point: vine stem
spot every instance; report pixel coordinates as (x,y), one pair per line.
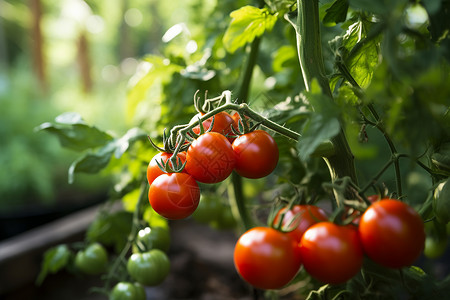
(309,47)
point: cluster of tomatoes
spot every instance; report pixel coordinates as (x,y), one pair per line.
(390,233)
(210,158)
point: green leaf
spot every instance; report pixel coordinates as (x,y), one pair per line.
(247,23)
(323,124)
(74,134)
(337,13)
(55,259)
(111,229)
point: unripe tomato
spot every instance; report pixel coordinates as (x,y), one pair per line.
(174,195)
(127,291)
(149,268)
(267,258)
(299,218)
(256,154)
(153,170)
(92,260)
(392,233)
(210,158)
(331,253)
(152,238)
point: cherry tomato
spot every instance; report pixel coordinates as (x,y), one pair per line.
(356,214)
(256,154)
(174,195)
(331,253)
(210,158)
(153,170)
(127,291)
(92,260)
(267,258)
(222,123)
(152,238)
(299,218)
(149,268)
(392,233)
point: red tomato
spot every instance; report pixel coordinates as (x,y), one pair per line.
(174,195)
(299,218)
(392,233)
(356,214)
(267,258)
(222,123)
(256,154)
(154,171)
(210,158)
(331,253)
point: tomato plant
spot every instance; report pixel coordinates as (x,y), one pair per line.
(266,258)
(392,233)
(92,260)
(299,218)
(174,195)
(256,154)
(149,268)
(331,253)
(153,170)
(210,158)
(152,238)
(127,291)
(222,124)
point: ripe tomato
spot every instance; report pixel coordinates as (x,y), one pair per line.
(222,123)
(174,195)
(153,170)
(127,291)
(267,258)
(299,218)
(356,214)
(92,260)
(256,154)
(392,233)
(152,238)
(210,158)
(331,253)
(149,268)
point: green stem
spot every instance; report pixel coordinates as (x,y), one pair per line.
(309,46)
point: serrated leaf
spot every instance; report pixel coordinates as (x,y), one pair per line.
(55,259)
(91,162)
(247,23)
(74,134)
(337,13)
(111,229)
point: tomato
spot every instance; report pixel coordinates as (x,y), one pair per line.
(392,233)
(331,253)
(127,291)
(222,123)
(92,260)
(356,214)
(152,238)
(149,268)
(153,170)
(299,218)
(174,195)
(210,158)
(267,258)
(256,154)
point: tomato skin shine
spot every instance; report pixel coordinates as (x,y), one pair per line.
(256,154)
(174,195)
(267,258)
(331,253)
(210,158)
(392,233)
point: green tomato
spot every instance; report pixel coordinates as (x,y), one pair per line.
(127,291)
(152,238)
(209,209)
(149,268)
(92,260)
(434,247)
